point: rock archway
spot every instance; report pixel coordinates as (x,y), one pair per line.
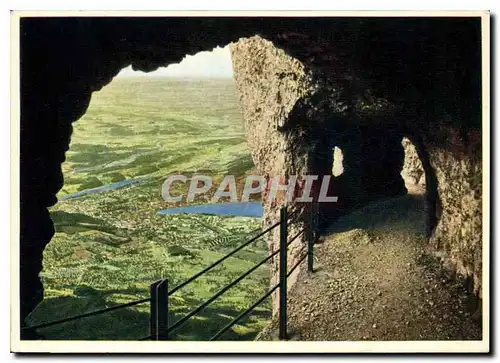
(306,85)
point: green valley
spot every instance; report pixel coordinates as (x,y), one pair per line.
(110,246)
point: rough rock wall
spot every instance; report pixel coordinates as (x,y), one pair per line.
(452,176)
(294,117)
(458,235)
(270,83)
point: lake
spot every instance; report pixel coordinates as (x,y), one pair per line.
(239,209)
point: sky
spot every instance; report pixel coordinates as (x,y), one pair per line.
(213,64)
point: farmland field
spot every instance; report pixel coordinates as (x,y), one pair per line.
(110,246)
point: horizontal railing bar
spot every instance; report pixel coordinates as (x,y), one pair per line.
(295,237)
(227,287)
(235,320)
(86,315)
(223,290)
(222,259)
(243,314)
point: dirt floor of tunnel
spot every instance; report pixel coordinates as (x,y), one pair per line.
(374,280)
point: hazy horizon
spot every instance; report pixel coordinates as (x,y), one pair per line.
(206,64)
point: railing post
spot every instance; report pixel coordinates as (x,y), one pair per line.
(283,273)
(310,239)
(159,310)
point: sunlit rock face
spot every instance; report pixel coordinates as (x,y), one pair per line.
(413,170)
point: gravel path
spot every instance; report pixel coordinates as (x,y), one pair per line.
(373,280)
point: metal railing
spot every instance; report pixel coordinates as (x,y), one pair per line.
(160,293)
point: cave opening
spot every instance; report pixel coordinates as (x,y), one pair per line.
(282,89)
(111,238)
